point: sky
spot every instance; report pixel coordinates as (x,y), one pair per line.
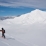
(18,7)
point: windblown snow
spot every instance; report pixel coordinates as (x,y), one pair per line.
(26,30)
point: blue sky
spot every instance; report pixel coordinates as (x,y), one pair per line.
(6,11)
(18,7)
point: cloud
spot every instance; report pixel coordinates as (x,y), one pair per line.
(24,3)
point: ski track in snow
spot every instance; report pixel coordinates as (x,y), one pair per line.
(5,43)
(10,41)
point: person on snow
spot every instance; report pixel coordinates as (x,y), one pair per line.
(3,32)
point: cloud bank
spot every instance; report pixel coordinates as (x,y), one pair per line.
(24,3)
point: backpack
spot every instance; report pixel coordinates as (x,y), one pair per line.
(4,31)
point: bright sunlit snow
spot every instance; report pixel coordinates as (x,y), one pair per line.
(26,30)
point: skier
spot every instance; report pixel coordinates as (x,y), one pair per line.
(3,32)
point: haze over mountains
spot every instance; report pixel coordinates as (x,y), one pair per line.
(6,17)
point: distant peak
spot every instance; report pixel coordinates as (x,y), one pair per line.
(37,10)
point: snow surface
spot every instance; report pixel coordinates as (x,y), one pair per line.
(26,30)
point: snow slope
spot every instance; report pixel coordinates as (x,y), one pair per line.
(9,41)
(26,30)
